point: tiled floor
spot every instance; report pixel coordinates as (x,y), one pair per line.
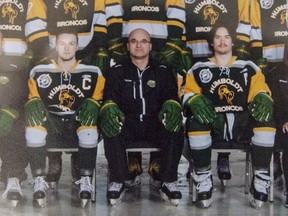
(143,201)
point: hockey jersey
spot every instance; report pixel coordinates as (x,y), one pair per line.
(162,19)
(63,92)
(12,24)
(271,31)
(230,87)
(202,15)
(88,17)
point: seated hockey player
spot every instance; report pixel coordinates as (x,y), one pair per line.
(227,98)
(140,103)
(14,71)
(64,100)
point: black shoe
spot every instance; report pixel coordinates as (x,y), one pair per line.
(223,168)
(286,203)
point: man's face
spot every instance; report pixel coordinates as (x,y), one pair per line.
(66,46)
(139,44)
(222,41)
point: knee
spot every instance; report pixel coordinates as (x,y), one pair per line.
(35,136)
(88,136)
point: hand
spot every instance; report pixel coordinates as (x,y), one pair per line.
(172,52)
(285,127)
(242,52)
(7,117)
(111,119)
(171,115)
(261,107)
(101,59)
(88,112)
(35,112)
(202,108)
(263,65)
(117,50)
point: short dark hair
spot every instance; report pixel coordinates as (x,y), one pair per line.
(67,31)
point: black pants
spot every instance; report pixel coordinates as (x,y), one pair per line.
(171,145)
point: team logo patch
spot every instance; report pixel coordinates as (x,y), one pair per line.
(69,5)
(151,83)
(10,12)
(266,4)
(225,93)
(44,81)
(189,1)
(211,13)
(205,75)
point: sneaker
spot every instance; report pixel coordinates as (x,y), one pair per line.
(223,168)
(40,188)
(13,190)
(204,187)
(171,190)
(85,187)
(115,190)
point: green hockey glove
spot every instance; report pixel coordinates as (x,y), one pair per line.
(242,52)
(202,108)
(88,112)
(261,107)
(117,50)
(7,117)
(171,115)
(263,65)
(172,52)
(101,59)
(111,119)
(35,112)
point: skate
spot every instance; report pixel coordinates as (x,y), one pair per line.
(204,188)
(115,192)
(154,183)
(13,192)
(259,189)
(170,193)
(54,169)
(85,189)
(223,170)
(40,188)
(135,171)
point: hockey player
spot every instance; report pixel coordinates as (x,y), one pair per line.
(64,99)
(201,16)
(14,63)
(164,21)
(96,21)
(225,95)
(141,104)
(268,41)
(277,80)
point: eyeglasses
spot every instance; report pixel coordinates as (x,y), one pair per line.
(142,42)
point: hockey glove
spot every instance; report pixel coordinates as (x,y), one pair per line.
(171,116)
(242,52)
(88,112)
(172,52)
(7,117)
(261,107)
(117,50)
(101,59)
(35,112)
(263,65)
(202,108)
(111,119)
